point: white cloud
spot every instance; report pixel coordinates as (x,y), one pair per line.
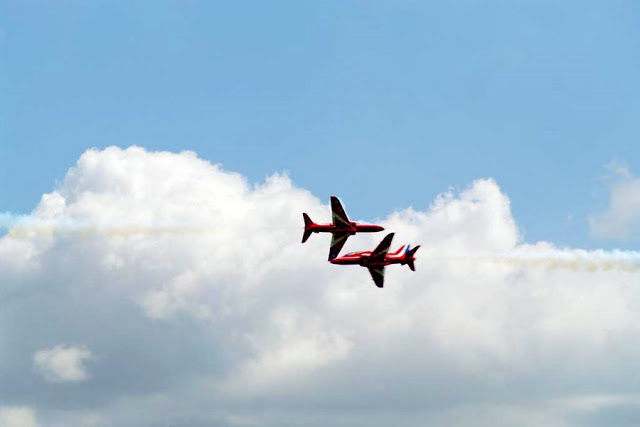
(62,364)
(192,286)
(17,416)
(621,220)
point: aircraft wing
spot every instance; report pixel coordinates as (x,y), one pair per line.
(377,274)
(380,252)
(337,242)
(340,217)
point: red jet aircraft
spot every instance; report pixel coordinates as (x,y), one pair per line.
(341,228)
(376,261)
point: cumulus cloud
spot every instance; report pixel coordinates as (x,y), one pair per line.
(62,364)
(17,416)
(621,220)
(192,286)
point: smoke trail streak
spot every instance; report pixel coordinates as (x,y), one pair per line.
(571,259)
(545,256)
(24,226)
(107,231)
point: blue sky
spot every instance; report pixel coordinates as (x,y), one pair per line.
(386,104)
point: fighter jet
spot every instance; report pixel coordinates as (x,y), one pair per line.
(376,261)
(341,228)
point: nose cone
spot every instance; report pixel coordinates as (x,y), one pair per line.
(378,228)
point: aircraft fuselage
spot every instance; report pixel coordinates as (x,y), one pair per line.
(362,258)
(354,228)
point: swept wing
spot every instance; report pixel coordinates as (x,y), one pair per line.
(377,274)
(337,242)
(340,218)
(380,252)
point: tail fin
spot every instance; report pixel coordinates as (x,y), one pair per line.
(408,256)
(307,225)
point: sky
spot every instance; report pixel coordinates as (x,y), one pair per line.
(397,102)
(156,158)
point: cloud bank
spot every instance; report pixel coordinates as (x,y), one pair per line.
(201,307)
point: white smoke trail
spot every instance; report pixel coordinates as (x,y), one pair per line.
(572,259)
(25,226)
(546,256)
